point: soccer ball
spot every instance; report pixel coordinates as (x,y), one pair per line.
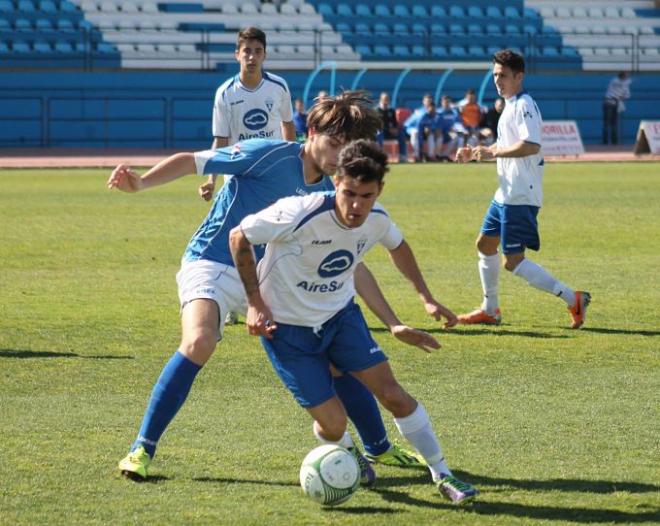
(329,475)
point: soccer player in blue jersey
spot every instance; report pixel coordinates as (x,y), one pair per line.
(261,172)
(300,301)
(511,219)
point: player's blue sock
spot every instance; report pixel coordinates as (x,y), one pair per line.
(167,397)
(363,411)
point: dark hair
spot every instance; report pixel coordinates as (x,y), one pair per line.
(348,116)
(362,160)
(251,33)
(510,59)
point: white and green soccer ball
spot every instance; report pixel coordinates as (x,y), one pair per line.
(329,475)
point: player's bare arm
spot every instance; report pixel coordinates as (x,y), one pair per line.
(259,318)
(127,180)
(405,262)
(206,189)
(288,131)
(368,289)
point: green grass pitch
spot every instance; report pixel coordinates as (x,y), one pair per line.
(554,426)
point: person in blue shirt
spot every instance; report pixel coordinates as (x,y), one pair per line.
(447,138)
(300,120)
(259,172)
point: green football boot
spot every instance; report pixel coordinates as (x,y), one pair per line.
(135,465)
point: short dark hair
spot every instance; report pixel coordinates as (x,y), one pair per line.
(510,59)
(362,160)
(348,116)
(251,33)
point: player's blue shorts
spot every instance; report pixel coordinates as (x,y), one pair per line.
(301,356)
(515,224)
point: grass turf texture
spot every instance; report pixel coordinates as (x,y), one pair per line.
(554,426)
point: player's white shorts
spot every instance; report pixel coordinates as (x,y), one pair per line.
(205,279)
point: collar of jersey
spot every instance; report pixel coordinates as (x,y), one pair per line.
(238,81)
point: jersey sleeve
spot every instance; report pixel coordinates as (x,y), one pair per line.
(221,120)
(286,111)
(392,236)
(277,222)
(231,160)
(528,121)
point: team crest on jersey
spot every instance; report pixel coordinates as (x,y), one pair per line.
(335,263)
(360,244)
(269,104)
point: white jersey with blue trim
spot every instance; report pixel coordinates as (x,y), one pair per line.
(240,113)
(306,275)
(260,172)
(520,178)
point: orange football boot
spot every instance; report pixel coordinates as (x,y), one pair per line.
(579,310)
(481,317)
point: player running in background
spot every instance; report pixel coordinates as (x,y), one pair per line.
(254,104)
(511,218)
(263,171)
(302,304)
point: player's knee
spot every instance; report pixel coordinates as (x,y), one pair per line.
(332,427)
(393,397)
(198,345)
(511,263)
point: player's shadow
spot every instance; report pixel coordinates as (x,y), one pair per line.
(230,480)
(603,330)
(487,507)
(482,332)
(26,353)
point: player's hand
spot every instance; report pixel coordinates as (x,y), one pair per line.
(416,337)
(464,154)
(124,178)
(206,190)
(259,321)
(439,311)
(482,153)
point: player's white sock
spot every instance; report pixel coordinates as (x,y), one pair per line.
(489,272)
(430,144)
(416,428)
(540,278)
(345,441)
(414,140)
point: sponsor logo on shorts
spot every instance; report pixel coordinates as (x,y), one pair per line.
(374,350)
(335,263)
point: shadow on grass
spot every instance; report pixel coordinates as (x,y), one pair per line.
(602,330)
(571,514)
(579,485)
(228,480)
(494,331)
(25,353)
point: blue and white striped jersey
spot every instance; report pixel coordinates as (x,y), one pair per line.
(306,275)
(259,173)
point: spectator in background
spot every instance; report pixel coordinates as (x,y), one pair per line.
(618,90)
(447,137)
(488,131)
(468,93)
(471,117)
(413,126)
(300,120)
(390,129)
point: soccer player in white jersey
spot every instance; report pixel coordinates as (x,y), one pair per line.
(263,171)
(301,301)
(254,104)
(511,218)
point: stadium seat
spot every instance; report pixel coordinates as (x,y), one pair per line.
(268,9)
(494,13)
(306,9)
(419,11)
(229,9)
(457,12)
(288,9)
(382,10)
(438,29)
(530,29)
(511,29)
(43,24)
(6,6)
(474,11)
(362,29)
(550,51)
(457,52)
(612,12)
(418,30)
(530,14)
(579,12)
(456,29)
(382,51)
(325,10)
(344,10)
(4,25)
(493,29)
(363,50)
(511,12)
(546,12)
(26,6)
(344,28)
(563,12)
(65,25)
(47,6)
(3,48)
(22,24)
(248,9)
(382,30)
(596,12)
(105,47)
(474,29)
(401,11)
(438,11)
(401,51)
(418,51)
(42,47)
(363,10)
(20,47)
(476,52)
